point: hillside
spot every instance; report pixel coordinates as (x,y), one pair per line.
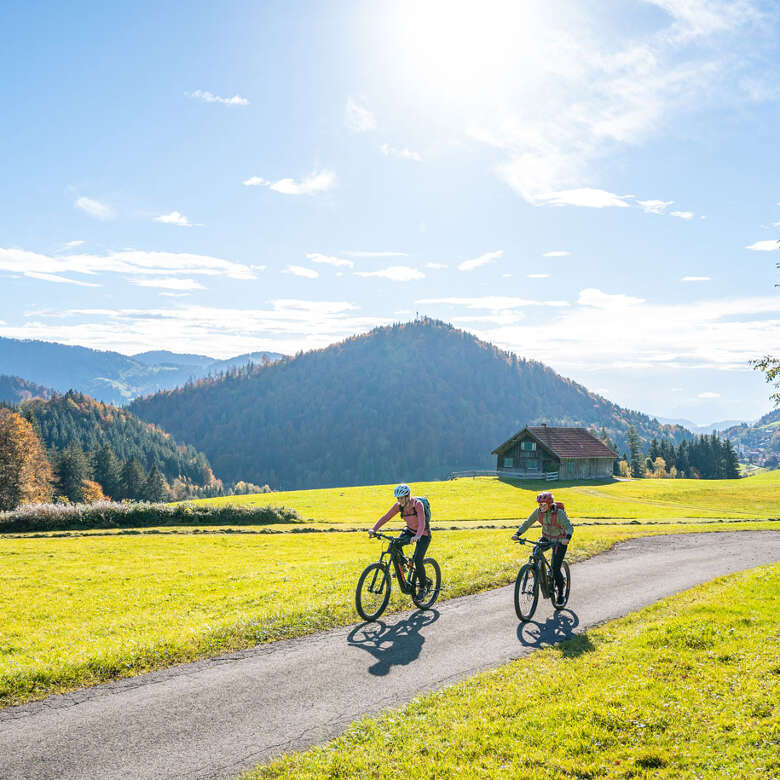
(14,390)
(110,376)
(73,418)
(758,443)
(411,401)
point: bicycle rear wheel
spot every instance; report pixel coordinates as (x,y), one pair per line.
(566,574)
(373,591)
(526,592)
(427,598)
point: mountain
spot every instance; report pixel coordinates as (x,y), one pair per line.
(110,376)
(407,402)
(14,389)
(721,425)
(758,443)
(73,418)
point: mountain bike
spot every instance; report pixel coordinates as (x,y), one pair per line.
(373,589)
(537,575)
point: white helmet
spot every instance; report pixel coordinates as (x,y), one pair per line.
(401,490)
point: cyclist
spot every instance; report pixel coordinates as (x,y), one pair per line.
(417,529)
(556,533)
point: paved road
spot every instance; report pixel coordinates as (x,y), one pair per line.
(214,718)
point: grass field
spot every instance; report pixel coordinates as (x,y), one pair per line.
(491,499)
(83,609)
(687,688)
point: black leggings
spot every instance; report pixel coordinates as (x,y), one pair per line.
(419,551)
(558,553)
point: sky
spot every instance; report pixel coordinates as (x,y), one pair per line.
(594,185)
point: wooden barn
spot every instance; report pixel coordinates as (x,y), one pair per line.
(544,451)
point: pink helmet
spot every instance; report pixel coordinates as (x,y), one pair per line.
(546,497)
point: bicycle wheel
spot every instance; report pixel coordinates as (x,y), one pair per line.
(373,591)
(566,586)
(526,592)
(428,597)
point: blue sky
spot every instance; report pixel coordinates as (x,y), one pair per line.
(590,184)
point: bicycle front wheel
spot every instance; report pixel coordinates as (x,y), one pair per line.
(566,574)
(526,592)
(425,599)
(373,591)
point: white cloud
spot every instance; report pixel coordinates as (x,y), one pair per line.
(175,295)
(317,181)
(376,254)
(358,118)
(316,257)
(436,266)
(73,244)
(95,208)
(538,276)
(208,97)
(696,279)
(488,257)
(259,267)
(169,284)
(174,218)
(298,270)
(396,273)
(602,300)
(556,253)
(61,279)
(285,326)
(584,196)
(765,246)
(708,395)
(493,302)
(655,206)
(128,261)
(682,214)
(402,154)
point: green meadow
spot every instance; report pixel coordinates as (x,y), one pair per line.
(686,688)
(491,499)
(80,609)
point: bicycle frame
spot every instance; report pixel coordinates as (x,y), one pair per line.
(400,563)
(543,568)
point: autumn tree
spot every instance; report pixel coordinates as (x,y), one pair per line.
(25,471)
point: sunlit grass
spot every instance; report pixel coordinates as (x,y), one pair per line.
(78,610)
(490,499)
(687,688)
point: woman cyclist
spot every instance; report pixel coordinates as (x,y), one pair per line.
(556,533)
(417,528)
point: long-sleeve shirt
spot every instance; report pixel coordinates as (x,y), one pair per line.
(414,516)
(556,526)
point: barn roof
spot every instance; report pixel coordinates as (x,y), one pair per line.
(562,442)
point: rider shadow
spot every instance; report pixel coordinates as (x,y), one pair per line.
(396,645)
(558,629)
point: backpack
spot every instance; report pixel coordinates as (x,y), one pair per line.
(427,506)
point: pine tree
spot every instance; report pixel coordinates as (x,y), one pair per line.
(72,470)
(133,479)
(635,452)
(154,488)
(107,472)
(25,471)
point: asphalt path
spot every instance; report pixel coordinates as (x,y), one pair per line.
(215,718)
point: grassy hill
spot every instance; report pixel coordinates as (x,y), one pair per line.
(417,400)
(488,499)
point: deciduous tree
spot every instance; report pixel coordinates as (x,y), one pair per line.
(25,471)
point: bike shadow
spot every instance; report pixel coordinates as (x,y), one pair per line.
(395,645)
(556,630)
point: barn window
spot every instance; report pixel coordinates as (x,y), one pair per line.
(571,466)
(508,462)
(529,445)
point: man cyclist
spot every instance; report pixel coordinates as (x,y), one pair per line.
(417,528)
(556,533)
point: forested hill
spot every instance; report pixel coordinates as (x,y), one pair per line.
(110,376)
(75,419)
(406,402)
(14,389)
(759,442)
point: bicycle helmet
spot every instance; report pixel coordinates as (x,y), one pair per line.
(401,491)
(546,496)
